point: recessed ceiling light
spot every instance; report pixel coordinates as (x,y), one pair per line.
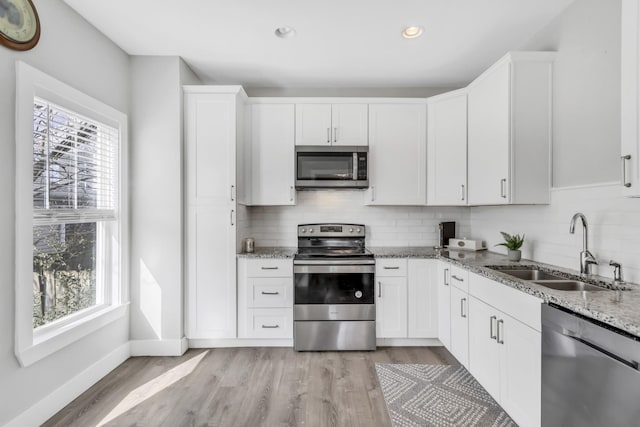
(412,32)
(285,32)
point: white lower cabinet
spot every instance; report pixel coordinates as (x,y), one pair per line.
(505,353)
(265,298)
(460,325)
(406,298)
(444,303)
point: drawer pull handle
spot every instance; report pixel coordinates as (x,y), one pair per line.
(270,326)
(459,279)
(270,293)
(392,268)
(269,268)
(492,321)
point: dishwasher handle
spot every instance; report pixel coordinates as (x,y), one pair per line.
(630,363)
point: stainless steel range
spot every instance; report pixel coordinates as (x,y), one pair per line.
(334,292)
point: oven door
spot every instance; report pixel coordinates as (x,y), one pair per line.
(334,284)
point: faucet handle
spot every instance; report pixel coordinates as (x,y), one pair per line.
(617,270)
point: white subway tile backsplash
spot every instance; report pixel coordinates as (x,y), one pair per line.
(386,225)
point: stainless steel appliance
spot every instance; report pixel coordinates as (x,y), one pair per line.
(590,372)
(331,167)
(334,296)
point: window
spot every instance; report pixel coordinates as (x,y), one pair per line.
(70,214)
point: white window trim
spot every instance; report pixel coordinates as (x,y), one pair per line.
(30,345)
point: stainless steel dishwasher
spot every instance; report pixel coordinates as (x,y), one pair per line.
(590,373)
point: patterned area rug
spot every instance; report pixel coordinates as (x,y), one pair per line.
(438,395)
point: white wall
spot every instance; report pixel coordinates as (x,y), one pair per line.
(586,137)
(156,203)
(74,52)
(586,96)
(386,225)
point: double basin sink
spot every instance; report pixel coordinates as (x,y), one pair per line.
(547,279)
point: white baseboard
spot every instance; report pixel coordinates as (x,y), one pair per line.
(408,342)
(159,347)
(63,395)
(213,343)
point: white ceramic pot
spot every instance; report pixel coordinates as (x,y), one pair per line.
(514,255)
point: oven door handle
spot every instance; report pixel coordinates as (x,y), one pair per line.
(328,269)
(335,262)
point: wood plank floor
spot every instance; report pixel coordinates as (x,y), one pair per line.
(244,387)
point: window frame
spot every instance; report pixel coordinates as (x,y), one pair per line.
(32,344)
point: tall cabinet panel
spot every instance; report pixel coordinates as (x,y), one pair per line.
(211,130)
(397,153)
(447,149)
(272,154)
(630,135)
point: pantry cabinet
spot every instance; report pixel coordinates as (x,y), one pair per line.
(397,154)
(447,149)
(630,108)
(213,128)
(269,156)
(509,131)
(331,124)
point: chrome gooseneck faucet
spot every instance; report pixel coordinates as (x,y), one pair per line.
(586,257)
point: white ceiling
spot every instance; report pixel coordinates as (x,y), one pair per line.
(339,43)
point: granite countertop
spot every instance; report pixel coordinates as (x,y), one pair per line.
(620,309)
(270,252)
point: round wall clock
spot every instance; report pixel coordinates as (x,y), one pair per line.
(19,24)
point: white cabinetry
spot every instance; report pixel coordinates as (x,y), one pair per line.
(406,298)
(630,51)
(444,304)
(331,124)
(447,149)
(509,131)
(213,123)
(459,315)
(265,298)
(397,154)
(270,155)
(504,353)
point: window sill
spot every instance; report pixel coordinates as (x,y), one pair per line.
(56,339)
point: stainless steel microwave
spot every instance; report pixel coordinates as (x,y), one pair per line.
(331,167)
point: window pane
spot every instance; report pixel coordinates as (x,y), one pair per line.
(64,270)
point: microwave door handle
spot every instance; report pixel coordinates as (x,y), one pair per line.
(355,166)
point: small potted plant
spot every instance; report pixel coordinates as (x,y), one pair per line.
(513,243)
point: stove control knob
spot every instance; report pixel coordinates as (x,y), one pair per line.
(303,230)
(358,294)
(351,230)
(311,230)
(358,230)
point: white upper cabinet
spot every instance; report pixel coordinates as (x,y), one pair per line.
(447,149)
(271,155)
(397,154)
(630,50)
(331,124)
(509,131)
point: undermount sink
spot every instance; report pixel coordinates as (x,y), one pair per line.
(569,285)
(531,274)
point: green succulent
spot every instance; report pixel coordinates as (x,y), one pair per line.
(512,242)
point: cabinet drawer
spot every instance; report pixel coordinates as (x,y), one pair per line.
(391,267)
(266,292)
(270,268)
(459,278)
(269,323)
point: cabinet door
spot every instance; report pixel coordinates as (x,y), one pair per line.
(391,307)
(444,304)
(630,137)
(447,150)
(272,154)
(210,121)
(520,371)
(484,351)
(397,153)
(460,326)
(313,124)
(422,299)
(350,124)
(489,138)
